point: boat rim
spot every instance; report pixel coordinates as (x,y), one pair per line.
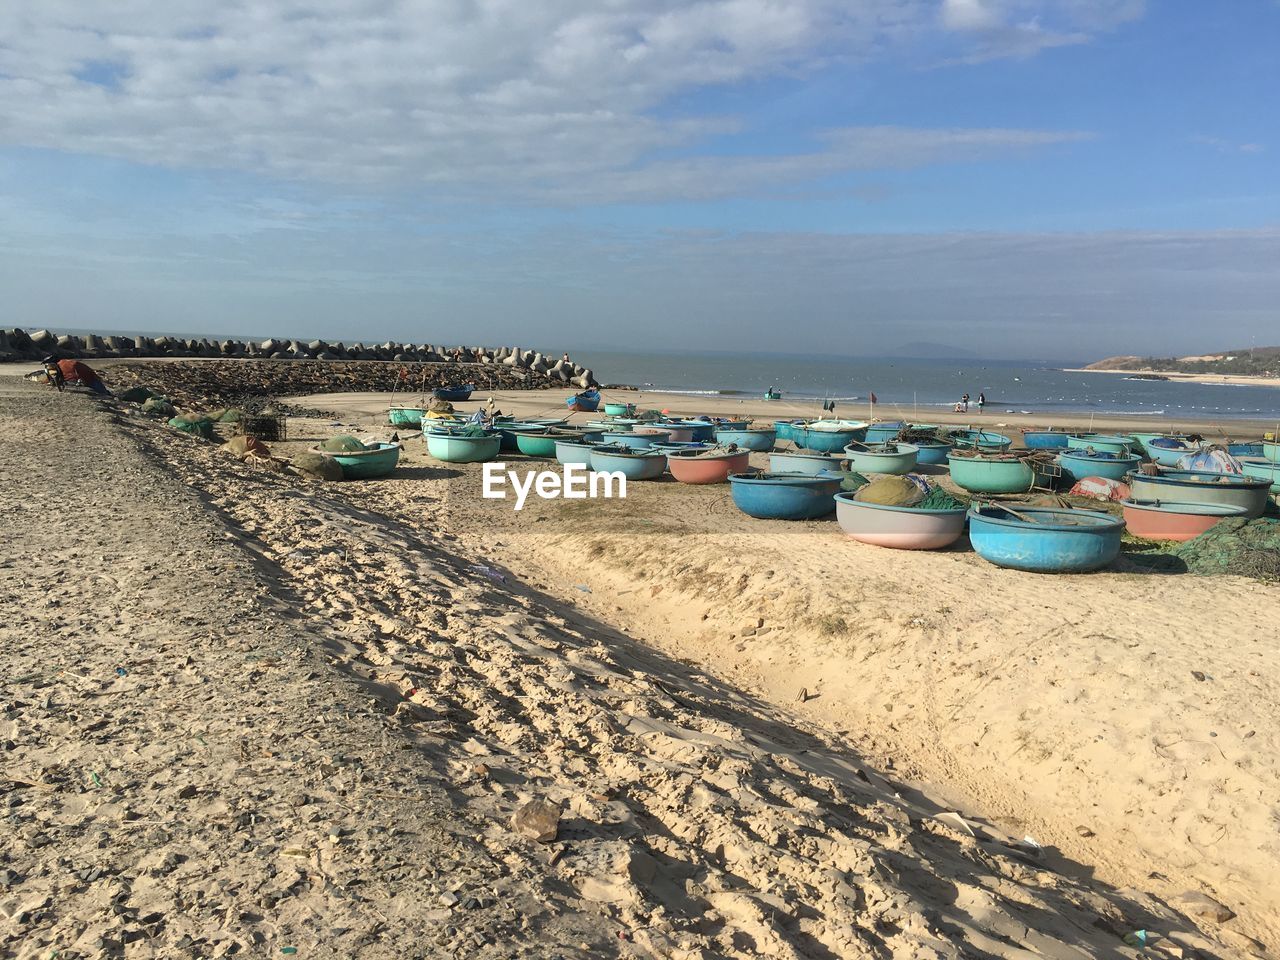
(1097,519)
(847,496)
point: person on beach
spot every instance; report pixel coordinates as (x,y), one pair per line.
(982,401)
(62,372)
(964,403)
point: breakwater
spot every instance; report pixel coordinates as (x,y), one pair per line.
(537,369)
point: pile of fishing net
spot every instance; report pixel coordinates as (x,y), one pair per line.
(136,395)
(317,466)
(440,407)
(159,406)
(342,443)
(909,491)
(227,415)
(1246,548)
(196,424)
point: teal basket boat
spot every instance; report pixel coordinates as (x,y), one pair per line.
(405,416)
(991,473)
(457,448)
(809,464)
(984,441)
(1078,464)
(376,461)
(632,464)
(1260,468)
(747,439)
(888,457)
(577,452)
(1044,539)
(539,443)
(1102,442)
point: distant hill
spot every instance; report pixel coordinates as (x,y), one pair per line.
(1250,362)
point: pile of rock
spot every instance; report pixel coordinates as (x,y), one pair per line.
(16,345)
(251,384)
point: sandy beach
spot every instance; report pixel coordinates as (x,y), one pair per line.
(761,739)
(1191,377)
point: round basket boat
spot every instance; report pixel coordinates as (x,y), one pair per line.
(405,416)
(619,409)
(453,448)
(507,430)
(1260,468)
(1044,539)
(1078,464)
(1101,442)
(810,464)
(784,496)
(932,452)
(991,473)
(985,441)
(376,461)
(1162,520)
(1140,440)
(632,464)
(902,528)
(1167,451)
(672,432)
(577,452)
(1184,486)
(632,440)
(1044,439)
(889,457)
(882,430)
(828,436)
(760,439)
(538,443)
(699,467)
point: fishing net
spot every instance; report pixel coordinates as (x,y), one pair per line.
(160,406)
(196,424)
(136,395)
(906,491)
(911,434)
(939,499)
(246,446)
(1246,548)
(230,415)
(343,443)
(317,466)
(852,481)
(440,407)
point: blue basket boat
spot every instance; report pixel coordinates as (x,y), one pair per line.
(455,447)
(747,439)
(1260,468)
(1044,539)
(577,452)
(828,436)
(377,460)
(991,473)
(1187,486)
(784,496)
(1078,464)
(632,464)
(507,430)
(632,441)
(809,464)
(588,401)
(453,394)
(1245,448)
(1044,439)
(888,457)
(1102,442)
(1167,451)
(933,452)
(985,441)
(883,430)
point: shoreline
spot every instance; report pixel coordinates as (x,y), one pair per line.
(1235,379)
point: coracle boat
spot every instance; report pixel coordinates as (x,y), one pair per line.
(772,395)
(809,464)
(1163,520)
(632,464)
(784,496)
(1044,539)
(888,457)
(588,401)
(458,446)
(572,451)
(1044,439)
(984,441)
(619,409)
(675,432)
(377,460)
(508,429)
(706,466)
(1078,464)
(633,440)
(1184,486)
(828,436)
(991,472)
(1260,468)
(1167,451)
(1102,442)
(902,528)
(881,430)
(1140,440)
(405,416)
(453,394)
(746,438)
(536,443)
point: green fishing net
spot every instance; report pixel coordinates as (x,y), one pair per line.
(160,406)
(196,424)
(318,466)
(939,499)
(1247,548)
(343,443)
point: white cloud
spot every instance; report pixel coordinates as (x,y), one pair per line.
(1228,146)
(455,94)
(998,29)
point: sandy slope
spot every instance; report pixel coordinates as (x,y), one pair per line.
(417,694)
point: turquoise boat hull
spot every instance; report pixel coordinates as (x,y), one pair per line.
(632,441)
(576,452)
(758,440)
(508,429)
(1104,443)
(1168,456)
(782,429)
(988,475)
(1270,451)
(1140,440)
(784,496)
(1057,541)
(536,444)
(900,461)
(933,454)
(1246,448)
(829,440)
(1076,465)
(884,430)
(985,441)
(632,464)
(1044,439)
(368,464)
(1260,468)
(405,416)
(809,464)
(453,449)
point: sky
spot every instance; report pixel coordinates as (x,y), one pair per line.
(1023,179)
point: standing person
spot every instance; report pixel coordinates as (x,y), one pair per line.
(982,401)
(964,402)
(62,372)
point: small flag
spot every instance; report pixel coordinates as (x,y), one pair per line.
(873,398)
